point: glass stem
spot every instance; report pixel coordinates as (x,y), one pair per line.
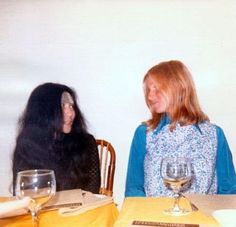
(176,207)
(35,218)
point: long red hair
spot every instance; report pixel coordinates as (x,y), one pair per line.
(176,83)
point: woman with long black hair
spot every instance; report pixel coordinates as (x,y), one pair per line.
(53,135)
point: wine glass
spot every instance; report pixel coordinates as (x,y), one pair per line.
(39,185)
(176,175)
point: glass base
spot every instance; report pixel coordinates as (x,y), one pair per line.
(177,212)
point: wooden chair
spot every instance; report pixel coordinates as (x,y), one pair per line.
(107,158)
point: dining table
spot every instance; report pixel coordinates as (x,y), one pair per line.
(103,215)
(149,211)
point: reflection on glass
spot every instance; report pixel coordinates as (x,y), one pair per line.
(176,175)
(39,185)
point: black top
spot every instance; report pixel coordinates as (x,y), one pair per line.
(74,159)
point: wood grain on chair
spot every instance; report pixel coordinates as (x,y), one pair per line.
(107,158)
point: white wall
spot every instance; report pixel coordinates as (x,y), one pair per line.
(102,49)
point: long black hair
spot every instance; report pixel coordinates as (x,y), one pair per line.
(42,144)
(44,110)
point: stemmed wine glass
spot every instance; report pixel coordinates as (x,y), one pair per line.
(176,175)
(39,185)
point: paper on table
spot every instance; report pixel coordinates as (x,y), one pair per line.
(14,207)
(90,201)
(69,199)
(65,198)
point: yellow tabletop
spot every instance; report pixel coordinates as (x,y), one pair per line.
(151,209)
(101,216)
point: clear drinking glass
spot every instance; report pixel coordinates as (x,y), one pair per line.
(39,185)
(176,175)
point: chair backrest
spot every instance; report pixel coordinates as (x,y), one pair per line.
(107,157)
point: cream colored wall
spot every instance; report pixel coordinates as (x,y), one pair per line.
(103,49)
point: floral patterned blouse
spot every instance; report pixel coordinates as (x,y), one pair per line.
(197,142)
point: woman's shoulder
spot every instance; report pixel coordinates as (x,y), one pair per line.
(140,132)
(211,126)
(142,128)
(78,140)
(219,130)
(82,135)
(220,135)
(88,136)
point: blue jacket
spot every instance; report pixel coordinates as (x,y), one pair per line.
(226,177)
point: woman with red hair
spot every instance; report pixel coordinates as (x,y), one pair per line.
(177,127)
